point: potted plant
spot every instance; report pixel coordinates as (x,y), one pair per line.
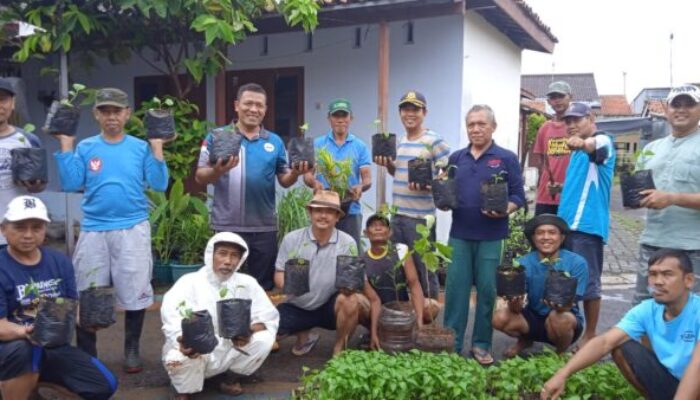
(634,180)
(29,164)
(420,169)
(494,193)
(510,275)
(396,326)
(159,120)
(197,330)
(63,116)
(233,314)
(559,286)
(192,236)
(296,274)
(337,174)
(54,317)
(444,189)
(383,142)
(350,271)
(226,143)
(301,148)
(97,305)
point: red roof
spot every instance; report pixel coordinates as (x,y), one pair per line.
(615,104)
(655,106)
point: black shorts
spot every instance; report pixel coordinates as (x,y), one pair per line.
(65,366)
(538,330)
(294,319)
(650,373)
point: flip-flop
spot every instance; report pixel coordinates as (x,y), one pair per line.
(307,346)
(231,388)
(483,357)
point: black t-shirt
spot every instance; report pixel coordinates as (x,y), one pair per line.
(386,276)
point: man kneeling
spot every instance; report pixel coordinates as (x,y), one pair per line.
(540,321)
(224,255)
(323,306)
(25,263)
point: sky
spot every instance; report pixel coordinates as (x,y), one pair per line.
(609,37)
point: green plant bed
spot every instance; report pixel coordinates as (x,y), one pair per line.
(418,375)
(178,270)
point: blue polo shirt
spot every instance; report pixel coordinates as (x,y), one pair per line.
(536,274)
(354,149)
(585,200)
(244,197)
(468,223)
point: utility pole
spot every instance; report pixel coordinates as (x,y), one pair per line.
(670,58)
(624,83)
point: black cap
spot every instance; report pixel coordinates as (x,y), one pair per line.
(545,219)
(6,85)
(415,98)
(377,217)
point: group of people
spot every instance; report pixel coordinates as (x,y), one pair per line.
(571,226)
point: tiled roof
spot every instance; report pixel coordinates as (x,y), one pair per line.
(537,105)
(654,106)
(583,86)
(536,19)
(614,105)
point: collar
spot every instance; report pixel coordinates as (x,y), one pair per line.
(263,134)
(332,239)
(331,138)
(490,150)
(676,140)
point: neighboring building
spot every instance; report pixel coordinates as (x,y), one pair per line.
(457,52)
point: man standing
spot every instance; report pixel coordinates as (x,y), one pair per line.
(550,150)
(540,321)
(201,290)
(670,322)
(26,263)
(114,246)
(673,215)
(323,306)
(344,145)
(244,185)
(476,235)
(12,137)
(414,203)
(585,202)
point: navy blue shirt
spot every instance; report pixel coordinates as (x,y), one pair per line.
(468,223)
(53,276)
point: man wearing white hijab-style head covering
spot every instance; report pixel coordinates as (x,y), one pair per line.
(224,255)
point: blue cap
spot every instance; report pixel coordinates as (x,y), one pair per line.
(578,109)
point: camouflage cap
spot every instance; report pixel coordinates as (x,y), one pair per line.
(111,97)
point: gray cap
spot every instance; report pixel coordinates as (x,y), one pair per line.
(6,85)
(111,97)
(560,87)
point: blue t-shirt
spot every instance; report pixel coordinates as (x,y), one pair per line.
(354,149)
(114,177)
(673,341)
(536,274)
(53,276)
(585,200)
(244,197)
(468,223)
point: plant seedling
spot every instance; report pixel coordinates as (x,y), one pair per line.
(337,173)
(185,312)
(162,104)
(499,177)
(76,90)
(223,292)
(380,129)
(445,174)
(303,129)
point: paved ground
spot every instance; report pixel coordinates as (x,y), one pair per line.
(281,371)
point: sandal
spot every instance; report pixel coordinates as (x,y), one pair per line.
(307,346)
(231,388)
(483,357)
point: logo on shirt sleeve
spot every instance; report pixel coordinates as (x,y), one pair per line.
(95,164)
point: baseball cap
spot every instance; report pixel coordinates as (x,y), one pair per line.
(26,207)
(691,91)
(578,109)
(560,87)
(415,98)
(111,97)
(6,85)
(339,105)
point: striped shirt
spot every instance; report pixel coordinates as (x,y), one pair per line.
(431,146)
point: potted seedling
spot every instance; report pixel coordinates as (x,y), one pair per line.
(233,314)
(54,322)
(559,286)
(296,274)
(29,164)
(63,116)
(226,143)
(494,193)
(444,190)
(350,271)
(383,142)
(159,120)
(197,330)
(301,148)
(97,305)
(420,169)
(337,174)
(510,277)
(634,180)
(396,326)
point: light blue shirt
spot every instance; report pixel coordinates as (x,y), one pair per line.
(585,200)
(675,166)
(673,341)
(354,149)
(114,177)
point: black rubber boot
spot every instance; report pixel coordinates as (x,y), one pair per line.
(86,341)
(133,325)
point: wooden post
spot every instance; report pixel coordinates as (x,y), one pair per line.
(220,105)
(383,103)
